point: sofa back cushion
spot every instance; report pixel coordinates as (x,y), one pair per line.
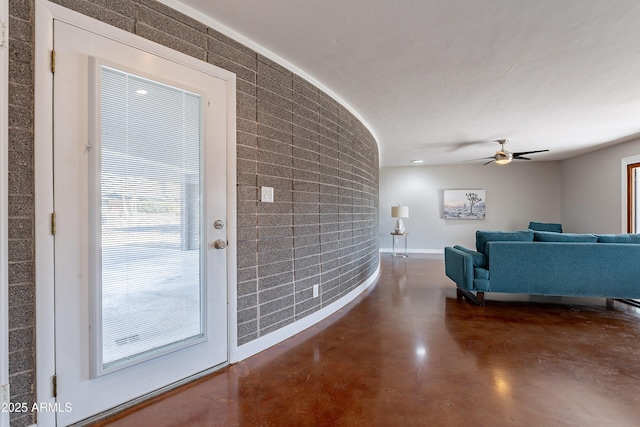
(483,237)
(549,236)
(618,238)
(545,226)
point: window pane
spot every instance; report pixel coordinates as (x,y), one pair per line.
(150,187)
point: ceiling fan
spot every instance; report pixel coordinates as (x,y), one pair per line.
(504,157)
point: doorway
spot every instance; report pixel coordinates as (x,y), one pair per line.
(633,197)
(139,220)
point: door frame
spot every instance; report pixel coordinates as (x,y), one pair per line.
(4,208)
(624,186)
(45,13)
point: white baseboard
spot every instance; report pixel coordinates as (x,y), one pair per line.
(260,344)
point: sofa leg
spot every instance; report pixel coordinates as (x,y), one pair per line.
(477,299)
(610,303)
(480,297)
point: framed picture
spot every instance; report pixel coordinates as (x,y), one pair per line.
(464,204)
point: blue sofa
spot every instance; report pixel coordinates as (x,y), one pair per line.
(547,263)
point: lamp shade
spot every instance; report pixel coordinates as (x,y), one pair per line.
(400,211)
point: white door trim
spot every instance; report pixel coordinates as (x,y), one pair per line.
(46,12)
(4,205)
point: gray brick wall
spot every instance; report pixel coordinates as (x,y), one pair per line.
(321,161)
(21,213)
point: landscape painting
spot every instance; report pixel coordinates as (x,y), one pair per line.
(464,204)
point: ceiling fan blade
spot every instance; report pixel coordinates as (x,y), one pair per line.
(451,146)
(520,158)
(465,144)
(483,158)
(521,153)
(489,162)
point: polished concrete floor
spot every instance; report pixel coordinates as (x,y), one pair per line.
(410,354)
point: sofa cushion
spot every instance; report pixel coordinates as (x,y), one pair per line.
(545,226)
(479,260)
(618,238)
(549,236)
(481,285)
(480,273)
(485,236)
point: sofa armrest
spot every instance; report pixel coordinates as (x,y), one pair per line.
(459,267)
(479,259)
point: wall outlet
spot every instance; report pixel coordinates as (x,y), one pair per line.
(267,194)
(316,291)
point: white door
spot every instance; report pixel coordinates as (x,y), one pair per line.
(139,181)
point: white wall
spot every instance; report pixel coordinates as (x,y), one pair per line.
(592,194)
(515,194)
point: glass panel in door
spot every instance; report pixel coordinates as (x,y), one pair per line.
(151,276)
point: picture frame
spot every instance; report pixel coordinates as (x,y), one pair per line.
(464,204)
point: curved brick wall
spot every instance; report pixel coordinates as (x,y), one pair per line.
(322,162)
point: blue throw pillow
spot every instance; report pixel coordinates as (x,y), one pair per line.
(549,236)
(545,226)
(484,236)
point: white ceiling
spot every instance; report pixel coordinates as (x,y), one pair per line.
(438,80)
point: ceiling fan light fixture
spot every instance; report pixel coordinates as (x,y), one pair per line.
(503,157)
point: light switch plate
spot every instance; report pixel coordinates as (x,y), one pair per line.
(267,194)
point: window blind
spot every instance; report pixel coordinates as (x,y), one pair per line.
(151,280)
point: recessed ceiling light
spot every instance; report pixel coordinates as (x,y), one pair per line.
(141,92)
(417,161)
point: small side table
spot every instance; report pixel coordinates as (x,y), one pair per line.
(393,245)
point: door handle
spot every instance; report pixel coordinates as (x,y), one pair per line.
(219,244)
